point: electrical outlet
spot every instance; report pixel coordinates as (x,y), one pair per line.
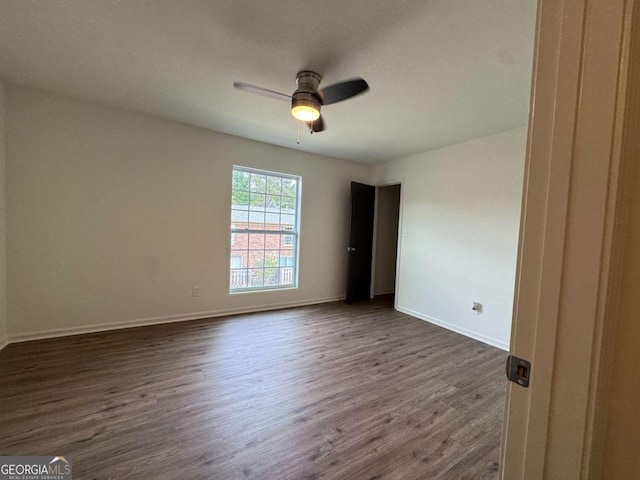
(195,291)
(476,308)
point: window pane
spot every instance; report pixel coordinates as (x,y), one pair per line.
(238,278)
(258,183)
(256,259)
(256,277)
(236,260)
(257,201)
(289,187)
(271,258)
(287,260)
(240,200)
(286,276)
(287,221)
(271,277)
(288,240)
(274,185)
(272,241)
(256,220)
(239,241)
(240,188)
(272,221)
(256,241)
(273,203)
(240,180)
(288,205)
(287,254)
(239,218)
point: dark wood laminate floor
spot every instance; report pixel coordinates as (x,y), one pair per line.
(322,392)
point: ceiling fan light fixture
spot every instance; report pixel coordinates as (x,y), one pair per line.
(305,107)
(305,113)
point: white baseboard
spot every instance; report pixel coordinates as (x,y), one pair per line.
(103,327)
(4,341)
(384,292)
(449,326)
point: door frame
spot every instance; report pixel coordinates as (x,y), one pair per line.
(565,282)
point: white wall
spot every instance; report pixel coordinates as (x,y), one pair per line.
(461,213)
(112,217)
(3,263)
(386,239)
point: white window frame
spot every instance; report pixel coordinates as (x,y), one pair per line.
(285,231)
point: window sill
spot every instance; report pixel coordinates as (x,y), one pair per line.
(261,290)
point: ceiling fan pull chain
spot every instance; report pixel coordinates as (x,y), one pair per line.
(299,122)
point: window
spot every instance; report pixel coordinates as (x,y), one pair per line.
(265,230)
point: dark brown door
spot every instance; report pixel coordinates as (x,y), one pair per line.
(360,242)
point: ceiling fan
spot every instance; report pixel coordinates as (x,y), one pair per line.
(307,100)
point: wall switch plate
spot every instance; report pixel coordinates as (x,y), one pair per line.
(195,291)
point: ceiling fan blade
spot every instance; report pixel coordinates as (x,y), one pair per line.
(342,90)
(317,125)
(261,91)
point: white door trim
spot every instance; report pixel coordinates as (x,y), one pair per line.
(570,202)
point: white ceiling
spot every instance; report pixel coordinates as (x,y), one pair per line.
(440,71)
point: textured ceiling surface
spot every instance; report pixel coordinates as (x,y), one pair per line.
(440,71)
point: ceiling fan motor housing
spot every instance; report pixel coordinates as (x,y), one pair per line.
(306,93)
